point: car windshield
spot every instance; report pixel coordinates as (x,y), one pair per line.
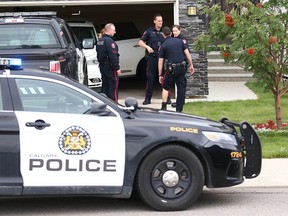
(23,36)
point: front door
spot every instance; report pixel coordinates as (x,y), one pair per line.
(60,145)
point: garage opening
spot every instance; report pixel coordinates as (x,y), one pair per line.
(140,14)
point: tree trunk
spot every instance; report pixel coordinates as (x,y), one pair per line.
(277,97)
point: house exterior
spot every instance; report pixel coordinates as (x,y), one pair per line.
(141,12)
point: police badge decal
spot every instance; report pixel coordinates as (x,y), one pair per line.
(74,141)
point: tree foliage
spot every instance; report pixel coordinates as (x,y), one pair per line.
(257,36)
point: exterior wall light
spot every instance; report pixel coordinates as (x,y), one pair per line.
(192,10)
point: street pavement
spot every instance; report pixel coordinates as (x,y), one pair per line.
(274,172)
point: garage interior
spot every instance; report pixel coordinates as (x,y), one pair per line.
(140,14)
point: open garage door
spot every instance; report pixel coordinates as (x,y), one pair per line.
(139,12)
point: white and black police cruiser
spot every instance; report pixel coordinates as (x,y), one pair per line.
(58,137)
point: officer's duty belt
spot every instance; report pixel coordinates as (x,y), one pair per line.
(183,64)
(154,54)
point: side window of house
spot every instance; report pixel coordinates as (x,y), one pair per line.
(45,96)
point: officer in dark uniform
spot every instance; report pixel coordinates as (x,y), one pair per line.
(173,50)
(108,58)
(151,41)
(176,32)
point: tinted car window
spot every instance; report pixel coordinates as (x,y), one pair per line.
(84,32)
(124,31)
(27,36)
(44,96)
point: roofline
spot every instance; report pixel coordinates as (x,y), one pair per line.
(79,2)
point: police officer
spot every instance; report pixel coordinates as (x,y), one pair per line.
(176,32)
(151,41)
(108,58)
(173,51)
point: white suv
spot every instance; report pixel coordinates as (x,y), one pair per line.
(132,56)
(85,30)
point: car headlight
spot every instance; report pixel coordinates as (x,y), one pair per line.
(220,137)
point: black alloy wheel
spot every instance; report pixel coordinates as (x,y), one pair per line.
(170,178)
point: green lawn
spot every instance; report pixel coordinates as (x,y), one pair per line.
(274,144)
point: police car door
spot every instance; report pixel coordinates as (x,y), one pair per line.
(62,146)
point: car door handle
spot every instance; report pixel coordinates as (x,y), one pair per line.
(38,124)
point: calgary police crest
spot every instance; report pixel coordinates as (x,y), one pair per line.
(74,141)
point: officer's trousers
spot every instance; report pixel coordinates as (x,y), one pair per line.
(151,73)
(110,82)
(178,77)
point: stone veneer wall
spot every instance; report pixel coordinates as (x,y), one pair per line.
(192,26)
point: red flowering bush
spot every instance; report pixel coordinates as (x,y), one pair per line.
(229,21)
(256,37)
(259,5)
(272,39)
(250,51)
(226,54)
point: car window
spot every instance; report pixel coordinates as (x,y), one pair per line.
(84,32)
(45,96)
(27,36)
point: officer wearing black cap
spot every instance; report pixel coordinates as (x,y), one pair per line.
(151,41)
(173,50)
(108,58)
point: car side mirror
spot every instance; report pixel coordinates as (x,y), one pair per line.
(88,43)
(99,109)
(131,104)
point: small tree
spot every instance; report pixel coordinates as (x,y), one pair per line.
(258,41)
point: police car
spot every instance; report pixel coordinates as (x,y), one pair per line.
(58,137)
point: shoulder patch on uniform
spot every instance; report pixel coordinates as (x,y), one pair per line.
(184,41)
(113,45)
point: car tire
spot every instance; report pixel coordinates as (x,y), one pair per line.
(170,178)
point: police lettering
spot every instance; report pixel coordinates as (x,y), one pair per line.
(185,130)
(65,165)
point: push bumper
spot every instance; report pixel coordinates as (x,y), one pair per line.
(251,146)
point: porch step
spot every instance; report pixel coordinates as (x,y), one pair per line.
(219,71)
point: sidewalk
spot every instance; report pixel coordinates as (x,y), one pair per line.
(274,173)
(218,91)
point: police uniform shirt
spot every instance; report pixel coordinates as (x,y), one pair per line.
(106,47)
(172,50)
(181,36)
(153,38)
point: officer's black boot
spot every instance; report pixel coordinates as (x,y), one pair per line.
(169,100)
(164,106)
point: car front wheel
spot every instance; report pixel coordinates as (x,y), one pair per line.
(170,178)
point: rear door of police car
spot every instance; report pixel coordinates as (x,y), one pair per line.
(60,145)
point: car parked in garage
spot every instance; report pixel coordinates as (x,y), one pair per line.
(132,56)
(60,138)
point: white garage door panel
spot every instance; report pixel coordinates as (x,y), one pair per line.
(80,2)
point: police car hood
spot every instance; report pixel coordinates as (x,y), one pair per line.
(167,118)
